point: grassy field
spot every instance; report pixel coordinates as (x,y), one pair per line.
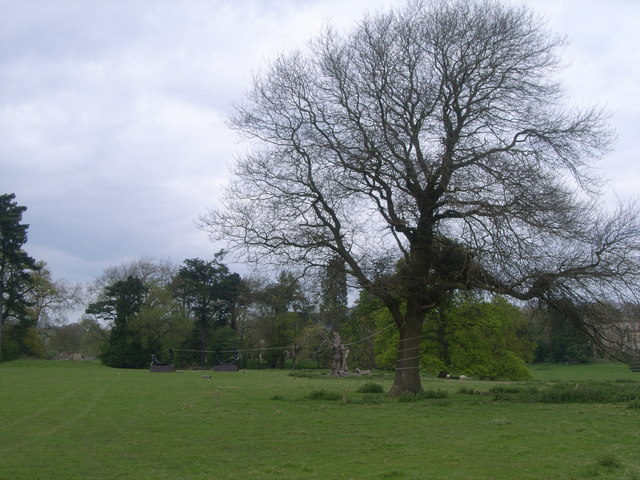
(70,420)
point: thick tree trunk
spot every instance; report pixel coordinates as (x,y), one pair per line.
(407,379)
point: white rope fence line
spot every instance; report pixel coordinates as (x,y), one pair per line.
(293,347)
(370,336)
(273,348)
(234,351)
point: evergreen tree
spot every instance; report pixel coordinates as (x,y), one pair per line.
(16,268)
(208,292)
(122,301)
(333,307)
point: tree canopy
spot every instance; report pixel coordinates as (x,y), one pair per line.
(430,149)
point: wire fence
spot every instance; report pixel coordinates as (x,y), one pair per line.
(319,351)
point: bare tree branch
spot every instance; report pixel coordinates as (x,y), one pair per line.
(430,149)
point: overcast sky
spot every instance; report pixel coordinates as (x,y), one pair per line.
(112,112)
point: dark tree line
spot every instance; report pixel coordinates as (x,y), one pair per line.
(145,307)
(158,306)
(210,315)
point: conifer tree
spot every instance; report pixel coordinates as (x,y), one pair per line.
(16,265)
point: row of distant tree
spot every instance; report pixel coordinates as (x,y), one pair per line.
(210,315)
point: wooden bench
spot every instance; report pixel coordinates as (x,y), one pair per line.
(635,367)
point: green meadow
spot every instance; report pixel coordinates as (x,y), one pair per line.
(81,420)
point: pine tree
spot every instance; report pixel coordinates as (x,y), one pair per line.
(16,265)
(122,301)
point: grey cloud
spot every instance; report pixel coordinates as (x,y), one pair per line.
(112,113)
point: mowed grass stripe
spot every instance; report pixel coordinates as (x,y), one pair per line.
(130,424)
(53,404)
(42,392)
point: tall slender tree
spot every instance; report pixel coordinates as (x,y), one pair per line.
(334,295)
(16,266)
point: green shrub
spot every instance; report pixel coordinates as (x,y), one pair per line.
(466,391)
(610,461)
(368,399)
(634,403)
(562,392)
(322,395)
(442,403)
(429,394)
(516,394)
(408,397)
(590,392)
(306,374)
(370,387)
(506,389)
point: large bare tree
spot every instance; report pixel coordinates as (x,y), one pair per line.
(430,149)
